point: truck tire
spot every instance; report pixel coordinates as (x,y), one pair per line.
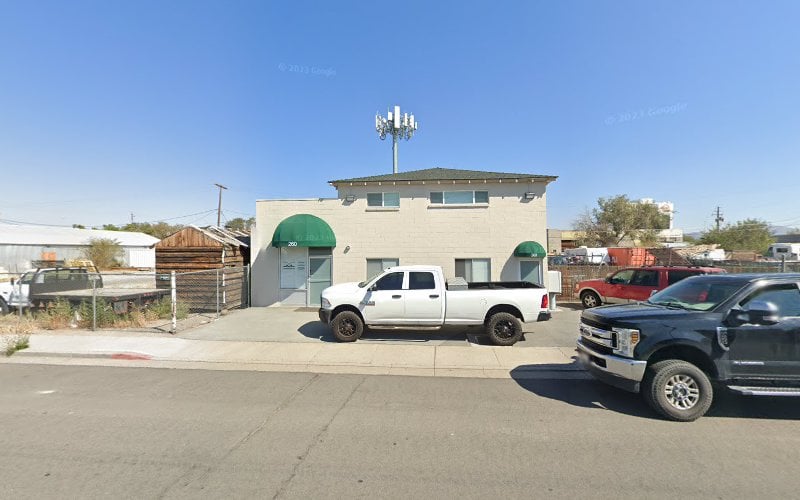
(504,329)
(3,307)
(678,390)
(347,326)
(590,299)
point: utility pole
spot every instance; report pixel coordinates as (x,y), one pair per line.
(718,218)
(219,205)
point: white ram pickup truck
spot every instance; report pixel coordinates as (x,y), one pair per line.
(417,297)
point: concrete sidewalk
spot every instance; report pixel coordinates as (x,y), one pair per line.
(317,357)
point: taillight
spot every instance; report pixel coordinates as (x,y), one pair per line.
(545,301)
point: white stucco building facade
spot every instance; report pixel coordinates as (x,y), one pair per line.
(484,226)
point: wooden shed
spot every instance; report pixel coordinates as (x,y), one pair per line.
(209,264)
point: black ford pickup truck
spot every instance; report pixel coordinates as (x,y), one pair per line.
(739,332)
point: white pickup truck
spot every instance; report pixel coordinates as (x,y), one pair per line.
(416,297)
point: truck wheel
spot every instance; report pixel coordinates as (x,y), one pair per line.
(678,390)
(347,326)
(590,299)
(3,307)
(504,329)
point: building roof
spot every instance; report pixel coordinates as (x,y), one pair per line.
(18,234)
(194,236)
(447,174)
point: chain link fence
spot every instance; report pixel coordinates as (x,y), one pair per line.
(77,298)
(205,295)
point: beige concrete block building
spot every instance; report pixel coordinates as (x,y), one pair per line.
(483,226)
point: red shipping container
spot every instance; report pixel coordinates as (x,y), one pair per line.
(631,257)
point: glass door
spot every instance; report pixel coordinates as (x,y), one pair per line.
(531,270)
(320,263)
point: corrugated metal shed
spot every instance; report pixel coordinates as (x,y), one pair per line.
(12,234)
(22,245)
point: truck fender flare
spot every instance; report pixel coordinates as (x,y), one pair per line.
(506,308)
(346,307)
(685,350)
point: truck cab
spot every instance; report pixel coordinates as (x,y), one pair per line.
(23,291)
(738,332)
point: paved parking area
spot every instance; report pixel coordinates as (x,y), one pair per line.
(282,324)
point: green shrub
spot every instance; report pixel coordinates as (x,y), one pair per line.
(162,309)
(16,343)
(58,314)
(104,252)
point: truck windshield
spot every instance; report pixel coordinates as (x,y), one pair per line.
(695,294)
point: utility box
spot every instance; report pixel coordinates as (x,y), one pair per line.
(553,287)
(457,283)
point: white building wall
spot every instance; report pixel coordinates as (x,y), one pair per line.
(20,258)
(141,258)
(416,233)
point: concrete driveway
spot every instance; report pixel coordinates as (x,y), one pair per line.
(284,324)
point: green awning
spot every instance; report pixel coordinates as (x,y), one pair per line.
(303,230)
(530,249)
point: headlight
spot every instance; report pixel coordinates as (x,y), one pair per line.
(325,303)
(626,341)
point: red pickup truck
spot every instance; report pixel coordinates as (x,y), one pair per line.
(635,284)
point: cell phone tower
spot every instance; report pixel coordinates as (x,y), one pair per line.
(400,126)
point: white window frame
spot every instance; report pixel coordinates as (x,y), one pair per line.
(469,262)
(444,201)
(383,200)
(382,264)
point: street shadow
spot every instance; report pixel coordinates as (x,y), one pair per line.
(317,330)
(597,395)
(579,392)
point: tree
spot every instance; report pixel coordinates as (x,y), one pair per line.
(79,226)
(239,224)
(618,218)
(104,252)
(748,234)
(158,230)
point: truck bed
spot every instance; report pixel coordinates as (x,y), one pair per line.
(110,294)
(499,285)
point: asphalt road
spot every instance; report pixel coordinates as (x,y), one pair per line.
(85,432)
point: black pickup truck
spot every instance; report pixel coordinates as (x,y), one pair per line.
(737,332)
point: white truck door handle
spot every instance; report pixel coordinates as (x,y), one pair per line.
(433,296)
(397,296)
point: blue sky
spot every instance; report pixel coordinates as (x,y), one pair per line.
(113,108)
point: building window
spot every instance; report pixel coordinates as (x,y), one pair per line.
(474,270)
(376,266)
(459,197)
(391,200)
